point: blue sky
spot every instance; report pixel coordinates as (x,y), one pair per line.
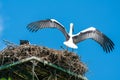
(102,14)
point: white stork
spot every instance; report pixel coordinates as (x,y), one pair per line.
(72,40)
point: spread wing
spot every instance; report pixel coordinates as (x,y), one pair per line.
(96,35)
(49,23)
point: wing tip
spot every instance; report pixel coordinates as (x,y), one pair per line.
(31,27)
(109,47)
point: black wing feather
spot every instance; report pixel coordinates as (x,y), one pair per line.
(96,35)
(49,23)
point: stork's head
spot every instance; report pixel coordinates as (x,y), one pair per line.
(72,27)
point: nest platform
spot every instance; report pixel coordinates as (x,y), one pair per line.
(31,62)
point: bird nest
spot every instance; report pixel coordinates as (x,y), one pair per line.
(62,58)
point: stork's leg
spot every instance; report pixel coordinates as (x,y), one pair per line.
(62,47)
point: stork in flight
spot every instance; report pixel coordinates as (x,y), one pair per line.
(71,39)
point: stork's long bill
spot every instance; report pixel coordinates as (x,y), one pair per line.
(72,40)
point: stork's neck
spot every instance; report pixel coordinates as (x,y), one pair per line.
(71,29)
